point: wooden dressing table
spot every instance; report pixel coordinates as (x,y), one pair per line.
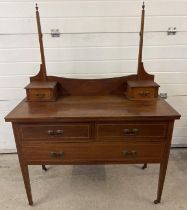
(93,122)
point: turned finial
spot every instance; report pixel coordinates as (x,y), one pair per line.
(143,6)
(36,7)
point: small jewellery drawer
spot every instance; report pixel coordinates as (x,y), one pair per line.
(93,151)
(142,89)
(142,93)
(128,130)
(41,91)
(39,95)
(66,131)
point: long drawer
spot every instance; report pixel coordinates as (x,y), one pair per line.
(92,152)
(56,132)
(126,131)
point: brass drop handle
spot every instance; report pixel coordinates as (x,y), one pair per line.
(59,132)
(57,154)
(129,154)
(132,131)
(55,133)
(144,93)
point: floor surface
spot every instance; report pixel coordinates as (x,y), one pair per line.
(103,187)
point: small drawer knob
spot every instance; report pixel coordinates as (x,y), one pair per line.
(55,133)
(129,154)
(50,132)
(131,132)
(58,132)
(40,95)
(144,93)
(57,154)
(135,130)
(126,131)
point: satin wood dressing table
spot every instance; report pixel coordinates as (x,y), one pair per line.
(92,121)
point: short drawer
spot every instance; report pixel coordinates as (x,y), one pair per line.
(93,152)
(128,130)
(57,132)
(41,91)
(144,93)
(142,90)
(35,95)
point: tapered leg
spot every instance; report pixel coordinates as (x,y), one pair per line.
(26,179)
(44,168)
(162,175)
(164,163)
(144,166)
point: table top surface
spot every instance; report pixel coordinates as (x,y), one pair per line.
(92,107)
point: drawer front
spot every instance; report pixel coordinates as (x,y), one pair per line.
(127,131)
(39,94)
(93,152)
(57,132)
(144,93)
